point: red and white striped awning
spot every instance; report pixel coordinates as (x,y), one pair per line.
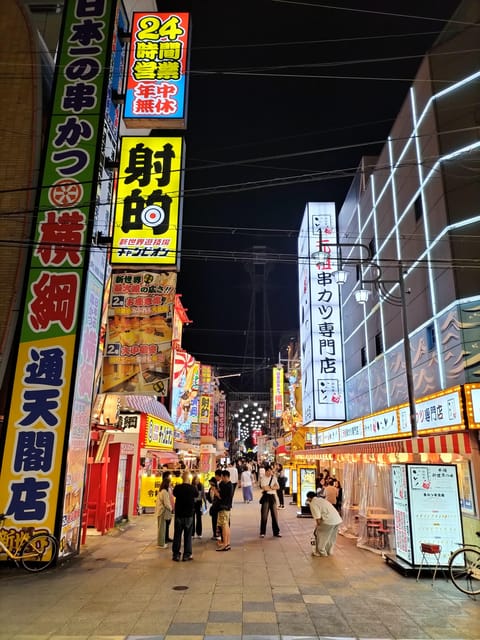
(445,443)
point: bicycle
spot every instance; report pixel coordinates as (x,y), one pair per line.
(464,568)
(33,551)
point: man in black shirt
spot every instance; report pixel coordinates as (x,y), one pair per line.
(185,495)
(225,489)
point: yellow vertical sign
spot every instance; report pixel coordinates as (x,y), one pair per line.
(148,206)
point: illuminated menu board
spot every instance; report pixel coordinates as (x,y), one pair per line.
(426,506)
(307,483)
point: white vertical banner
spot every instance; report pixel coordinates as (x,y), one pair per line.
(320,325)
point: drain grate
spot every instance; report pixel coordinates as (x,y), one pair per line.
(180,587)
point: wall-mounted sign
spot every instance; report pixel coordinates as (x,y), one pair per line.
(277,386)
(320,326)
(149,196)
(157,76)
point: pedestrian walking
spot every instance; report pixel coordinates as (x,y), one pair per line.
(328,520)
(198,506)
(163,511)
(246,483)
(232,469)
(184,505)
(282,482)
(269,486)
(213,498)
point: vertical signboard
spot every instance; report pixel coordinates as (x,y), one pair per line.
(157,71)
(426,509)
(277,385)
(320,327)
(92,311)
(148,208)
(38,423)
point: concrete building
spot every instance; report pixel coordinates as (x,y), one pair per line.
(417,208)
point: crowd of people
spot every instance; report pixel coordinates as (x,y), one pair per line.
(183,499)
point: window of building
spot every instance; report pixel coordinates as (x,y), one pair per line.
(372,246)
(378,344)
(363,356)
(418,208)
(431,341)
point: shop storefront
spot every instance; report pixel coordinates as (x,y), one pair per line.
(448,435)
(131,439)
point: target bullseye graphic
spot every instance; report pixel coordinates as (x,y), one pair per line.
(153,216)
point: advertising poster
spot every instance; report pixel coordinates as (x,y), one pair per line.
(137,355)
(427,507)
(185,391)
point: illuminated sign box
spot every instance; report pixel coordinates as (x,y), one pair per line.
(149,197)
(156,91)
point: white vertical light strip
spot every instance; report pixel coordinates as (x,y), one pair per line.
(397,238)
(426,227)
(365,331)
(381,302)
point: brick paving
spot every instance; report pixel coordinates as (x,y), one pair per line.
(123,587)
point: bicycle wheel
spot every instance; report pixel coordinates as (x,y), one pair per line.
(38,553)
(464,567)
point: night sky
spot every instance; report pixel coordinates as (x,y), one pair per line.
(284,100)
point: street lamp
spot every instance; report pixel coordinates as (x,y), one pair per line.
(362,295)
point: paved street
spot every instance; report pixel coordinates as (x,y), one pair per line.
(123,586)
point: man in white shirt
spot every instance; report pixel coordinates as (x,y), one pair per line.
(328,521)
(233,476)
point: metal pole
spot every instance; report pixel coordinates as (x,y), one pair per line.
(408,356)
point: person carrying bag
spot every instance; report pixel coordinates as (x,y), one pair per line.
(163,511)
(269,486)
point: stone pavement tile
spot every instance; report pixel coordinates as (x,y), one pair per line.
(257,606)
(116,623)
(295,625)
(260,616)
(139,638)
(147,628)
(183,637)
(320,599)
(257,628)
(192,615)
(287,597)
(226,603)
(57,637)
(36,637)
(223,629)
(258,637)
(186,629)
(225,616)
(331,624)
(257,596)
(290,607)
